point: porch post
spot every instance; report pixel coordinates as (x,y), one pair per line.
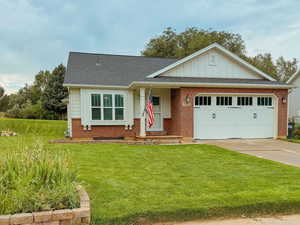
(142,108)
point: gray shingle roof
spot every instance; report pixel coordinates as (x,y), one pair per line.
(111,69)
(122,70)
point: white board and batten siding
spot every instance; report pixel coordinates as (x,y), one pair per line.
(86,114)
(165,96)
(294,100)
(212,64)
(74,101)
(80,106)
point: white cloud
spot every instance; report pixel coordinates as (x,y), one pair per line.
(12,82)
(279,41)
(37,35)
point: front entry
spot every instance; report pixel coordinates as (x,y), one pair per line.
(158,118)
(223,117)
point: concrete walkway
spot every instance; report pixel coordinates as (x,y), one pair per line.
(276,150)
(278,220)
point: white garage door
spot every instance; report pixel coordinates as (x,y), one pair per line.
(223,117)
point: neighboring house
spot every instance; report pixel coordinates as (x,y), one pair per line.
(294,97)
(211,94)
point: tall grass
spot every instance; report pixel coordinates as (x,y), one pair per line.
(36,180)
(34,127)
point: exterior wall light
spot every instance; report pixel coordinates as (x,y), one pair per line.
(284,100)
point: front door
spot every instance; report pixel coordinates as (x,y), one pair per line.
(157,109)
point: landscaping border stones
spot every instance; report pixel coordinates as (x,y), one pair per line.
(80,215)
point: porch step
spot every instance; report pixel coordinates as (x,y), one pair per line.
(160,139)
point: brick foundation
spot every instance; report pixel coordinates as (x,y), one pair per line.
(80,215)
(114,131)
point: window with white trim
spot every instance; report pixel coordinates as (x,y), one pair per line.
(244,101)
(202,100)
(107,106)
(224,100)
(264,101)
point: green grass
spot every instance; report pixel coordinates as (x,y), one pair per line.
(180,182)
(293,140)
(34,180)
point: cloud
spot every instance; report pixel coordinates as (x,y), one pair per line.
(13,82)
(37,34)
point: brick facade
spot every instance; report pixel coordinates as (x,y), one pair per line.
(182,120)
(117,131)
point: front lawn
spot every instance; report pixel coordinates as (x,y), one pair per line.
(149,183)
(295,140)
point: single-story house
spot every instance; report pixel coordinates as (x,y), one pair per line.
(294,97)
(211,94)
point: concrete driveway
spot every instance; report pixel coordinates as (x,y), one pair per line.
(275,220)
(280,151)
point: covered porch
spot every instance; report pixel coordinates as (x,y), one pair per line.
(163,129)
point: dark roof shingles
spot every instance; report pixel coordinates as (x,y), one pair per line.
(122,70)
(112,69)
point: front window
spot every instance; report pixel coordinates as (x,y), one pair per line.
(107,106)
(96,107)
(119,107)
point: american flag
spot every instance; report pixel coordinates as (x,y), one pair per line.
(149,109)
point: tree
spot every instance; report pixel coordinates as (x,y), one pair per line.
(285,68)
(173,45)
(54,91)
(1,91)
(280,69)
(264,62)
(41,79)
(4,100)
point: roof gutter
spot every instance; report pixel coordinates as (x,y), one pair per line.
(192,84)
(135,84)
(95,86)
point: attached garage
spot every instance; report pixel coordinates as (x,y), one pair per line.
(234,116)
(210,94)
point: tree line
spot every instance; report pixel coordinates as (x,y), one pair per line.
(41,100)
(44,98)
(178,45)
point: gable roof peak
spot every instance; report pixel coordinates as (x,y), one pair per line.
(294,76)
(222,49)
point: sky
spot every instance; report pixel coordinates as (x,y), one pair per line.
(38,35)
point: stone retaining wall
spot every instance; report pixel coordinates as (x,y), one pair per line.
(80,215)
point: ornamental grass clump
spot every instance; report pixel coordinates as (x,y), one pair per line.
(297,132)
(37,180)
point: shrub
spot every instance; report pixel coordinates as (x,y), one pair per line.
(36,180)
(14,112)
(32,111)
(297,132)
